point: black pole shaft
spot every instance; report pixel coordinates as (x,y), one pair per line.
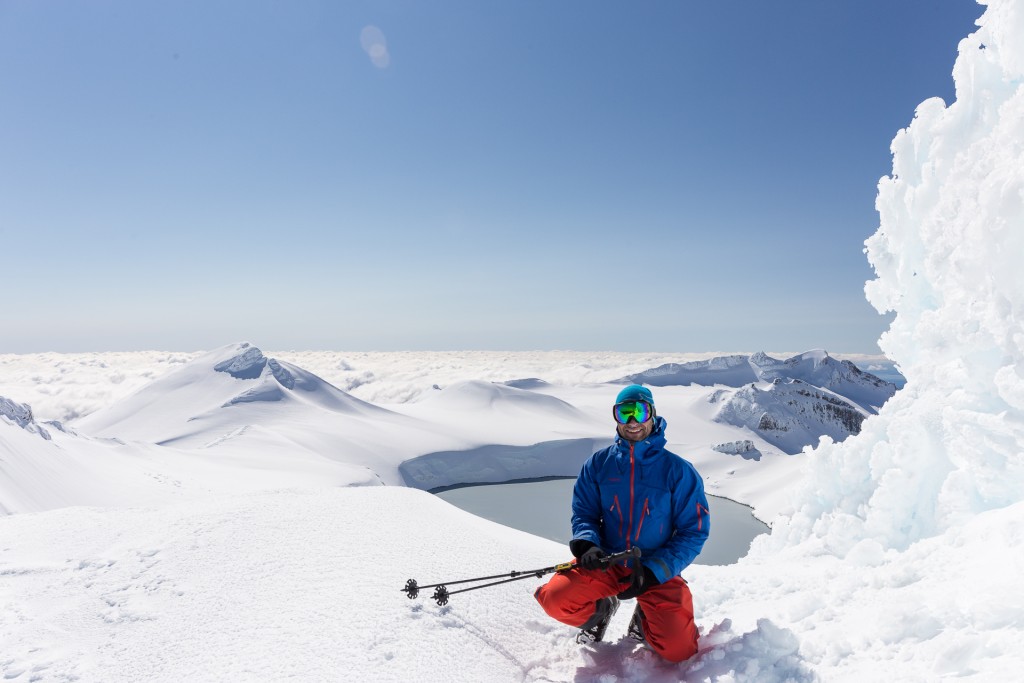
(532,572)
(518,575)
(495,583)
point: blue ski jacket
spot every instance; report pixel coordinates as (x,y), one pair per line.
(639,494)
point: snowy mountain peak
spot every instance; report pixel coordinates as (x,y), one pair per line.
(211,392)
(247,365)
(21,415)
(815,356)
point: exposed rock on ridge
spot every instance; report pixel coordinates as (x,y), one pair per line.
(21,415)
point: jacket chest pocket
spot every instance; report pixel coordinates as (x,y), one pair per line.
(615,515)
(645,512)
(652,523)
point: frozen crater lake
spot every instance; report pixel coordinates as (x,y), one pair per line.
(542,508)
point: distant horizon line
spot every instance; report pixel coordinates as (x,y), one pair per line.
(788,353)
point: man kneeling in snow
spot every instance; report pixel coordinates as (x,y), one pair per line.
(634,493)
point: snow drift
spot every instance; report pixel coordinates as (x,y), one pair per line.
(947,253)
(900,558)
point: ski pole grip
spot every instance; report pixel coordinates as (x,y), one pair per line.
(633,553)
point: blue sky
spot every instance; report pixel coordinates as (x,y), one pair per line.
(662,176)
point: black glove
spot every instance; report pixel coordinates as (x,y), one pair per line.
(640,581)
(594,558)
(590,555)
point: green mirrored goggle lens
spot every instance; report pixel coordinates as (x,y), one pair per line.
(638,410)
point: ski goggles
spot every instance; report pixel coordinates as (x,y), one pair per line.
(640,411)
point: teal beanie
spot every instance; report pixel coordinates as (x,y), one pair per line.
(635,392)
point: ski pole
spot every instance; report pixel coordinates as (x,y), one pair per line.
(441,592)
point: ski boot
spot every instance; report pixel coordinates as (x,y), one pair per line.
(593,631)
(636,629)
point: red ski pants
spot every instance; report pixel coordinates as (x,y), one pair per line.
(667,608)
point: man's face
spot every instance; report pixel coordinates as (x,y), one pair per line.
(633,430)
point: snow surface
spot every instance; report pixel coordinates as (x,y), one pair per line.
(898,557)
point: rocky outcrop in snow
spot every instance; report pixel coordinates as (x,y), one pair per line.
(251,363)
(743,447)
(248,364)
(21,415)
(735,447)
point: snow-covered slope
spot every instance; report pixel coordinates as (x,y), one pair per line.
(70,469)
(305,585)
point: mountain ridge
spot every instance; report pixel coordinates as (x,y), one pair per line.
(791,403)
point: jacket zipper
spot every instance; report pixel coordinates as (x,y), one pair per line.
(632,464)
